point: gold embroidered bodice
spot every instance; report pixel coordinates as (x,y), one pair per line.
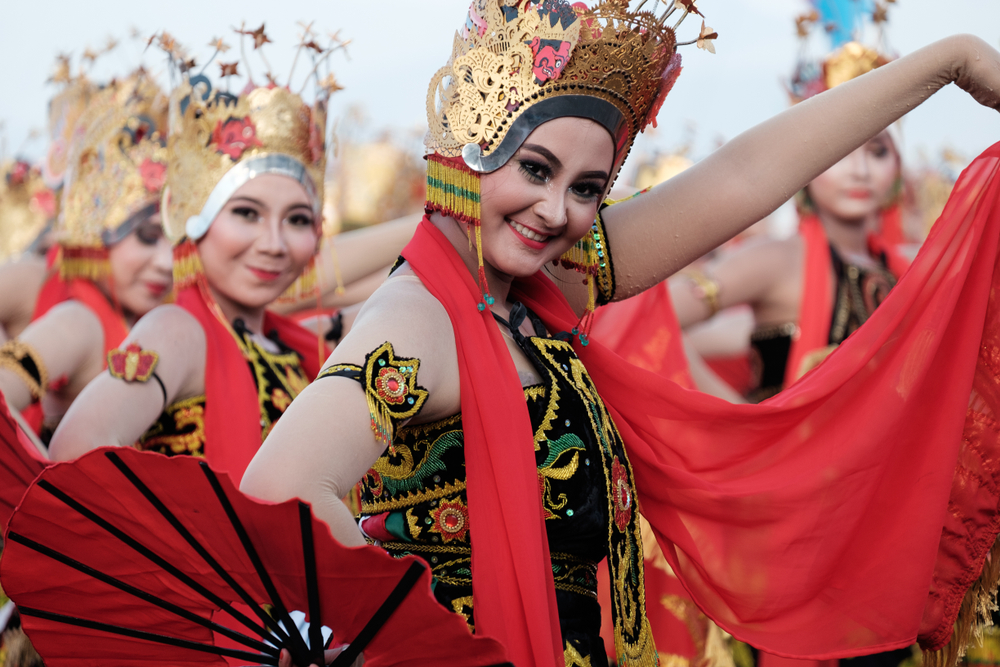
(279,378)
(413,500)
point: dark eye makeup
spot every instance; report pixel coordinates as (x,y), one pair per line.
(537,172)
(149,233)
(247,212)
(301,219)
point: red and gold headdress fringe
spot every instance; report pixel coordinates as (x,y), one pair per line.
(187,265)
(453,189)
(86,262)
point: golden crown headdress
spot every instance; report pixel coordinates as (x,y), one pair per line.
(115,173)
(27,206)
(220,140)
(517,64)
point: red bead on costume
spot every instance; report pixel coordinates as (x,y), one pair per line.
(621,490)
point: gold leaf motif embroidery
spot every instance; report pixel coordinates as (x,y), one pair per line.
(573,658)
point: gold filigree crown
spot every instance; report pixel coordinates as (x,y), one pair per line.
(215,138)
(220,140)
(517,64)
(116,167)
(27,205)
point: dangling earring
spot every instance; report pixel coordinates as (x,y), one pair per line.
(305,285)
(585,257)
(453,189)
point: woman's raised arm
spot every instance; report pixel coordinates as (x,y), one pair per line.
(655,235)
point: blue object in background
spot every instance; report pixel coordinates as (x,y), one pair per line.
(843,17)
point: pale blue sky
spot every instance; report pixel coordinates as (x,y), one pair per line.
(399,44)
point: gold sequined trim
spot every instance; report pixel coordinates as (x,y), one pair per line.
(605,269)
(285,366)
(412,498)
(185,413)
(573,658)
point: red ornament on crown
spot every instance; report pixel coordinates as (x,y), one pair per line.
(235,136)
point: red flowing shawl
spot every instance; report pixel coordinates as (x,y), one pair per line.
(849,514)
(232,408)
(644,331)
(818,291)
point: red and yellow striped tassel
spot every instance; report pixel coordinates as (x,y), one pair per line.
(454,190)
(583,258)
(187,265)
(306,285)
(87,262)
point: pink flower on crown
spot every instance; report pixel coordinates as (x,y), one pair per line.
(19,174)
(235,136)
(667,81)
(154,174)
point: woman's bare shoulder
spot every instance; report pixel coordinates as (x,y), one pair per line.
(168,326)
(402,312)
(402,309)
(22,271)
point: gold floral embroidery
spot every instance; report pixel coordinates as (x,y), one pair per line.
(573,658)
(180,429)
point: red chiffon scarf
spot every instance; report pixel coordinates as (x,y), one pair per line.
(849,514)
(644,331)
(232,408)
(818,291)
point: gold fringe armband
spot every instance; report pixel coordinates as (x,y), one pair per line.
(390,386)
(25,362)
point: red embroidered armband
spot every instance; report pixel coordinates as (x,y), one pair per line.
(133,364)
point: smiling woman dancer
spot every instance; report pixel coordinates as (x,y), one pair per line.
(113,264)
(812,290)
(468,365)
(242,204)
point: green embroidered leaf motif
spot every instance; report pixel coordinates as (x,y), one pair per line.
(561,445)
(424,470)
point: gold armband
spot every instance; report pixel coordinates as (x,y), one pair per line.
(25,362)
(705,289)
(391,388)
(133,364)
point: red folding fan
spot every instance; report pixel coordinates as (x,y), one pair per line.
(126,558)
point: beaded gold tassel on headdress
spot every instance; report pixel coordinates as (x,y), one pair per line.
(453,189)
